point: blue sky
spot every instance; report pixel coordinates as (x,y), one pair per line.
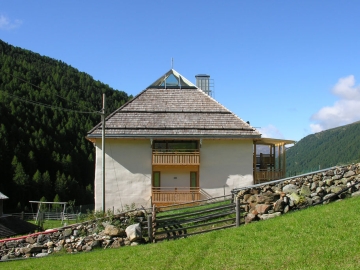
(288,67)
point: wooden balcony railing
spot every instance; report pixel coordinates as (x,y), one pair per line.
(162,196)
(176,158)
(267,175)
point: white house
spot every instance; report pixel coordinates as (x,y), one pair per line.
(173,143)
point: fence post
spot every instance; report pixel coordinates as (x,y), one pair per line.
(149,224)
(237,211)
(153,223)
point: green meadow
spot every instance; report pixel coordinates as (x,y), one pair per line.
(321,237)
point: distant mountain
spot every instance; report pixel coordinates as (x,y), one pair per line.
(43,150)
(325,149)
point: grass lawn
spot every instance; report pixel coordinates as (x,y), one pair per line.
(321,237)
(52,224)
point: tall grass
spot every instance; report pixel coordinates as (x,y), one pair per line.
(321,237)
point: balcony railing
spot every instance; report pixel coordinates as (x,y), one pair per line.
(174,195)
(172,157)
(267,175)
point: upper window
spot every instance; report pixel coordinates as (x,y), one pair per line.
(180,146)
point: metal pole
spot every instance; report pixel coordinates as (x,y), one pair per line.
(103,153)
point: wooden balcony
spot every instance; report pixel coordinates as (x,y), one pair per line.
(175,158)
(263,176)
(163,196)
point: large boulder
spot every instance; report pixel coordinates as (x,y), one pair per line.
(290,188)
(112,230)
(133,232)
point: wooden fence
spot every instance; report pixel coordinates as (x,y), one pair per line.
(193,220)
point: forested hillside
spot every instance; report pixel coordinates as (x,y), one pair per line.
(325,149)
(44,118)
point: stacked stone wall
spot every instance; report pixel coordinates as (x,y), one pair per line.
(78,238)
(276,198)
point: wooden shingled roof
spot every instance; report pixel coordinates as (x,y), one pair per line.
(175,113)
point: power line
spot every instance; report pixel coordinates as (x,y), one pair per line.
(47,105)
(21,79)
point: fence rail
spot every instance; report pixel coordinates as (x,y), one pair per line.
(193,220)
(47,216)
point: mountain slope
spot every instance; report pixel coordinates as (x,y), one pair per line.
(43,151)
(325,149)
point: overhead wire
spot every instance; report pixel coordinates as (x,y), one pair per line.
(21,79)
(47,105)
(43,104)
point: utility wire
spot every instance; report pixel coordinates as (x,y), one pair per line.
(23,80)
(47,105)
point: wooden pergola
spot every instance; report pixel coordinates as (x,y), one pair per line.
(269,165)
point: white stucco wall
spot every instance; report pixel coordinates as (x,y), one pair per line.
(224,165)
(175,178)
(128,173)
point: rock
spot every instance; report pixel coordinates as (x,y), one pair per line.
(355,194)
(313,186)
(286,209)
(76,233)
(249,218)
(330,173)
(11,244)
(5,258)
(268,216)
(95,243)
(116,244)
(279,205)
(336,189)
(326,197)
(30,240)
(67,232)
(329,182)
(111,230)
(262,208)
(305,190)
(39,255)
(295,198)
(50,244)
(134,244)
(133,232)
(349,173)
(290,188)
(316,199)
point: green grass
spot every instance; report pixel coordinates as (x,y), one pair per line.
(51,224)
(321,237)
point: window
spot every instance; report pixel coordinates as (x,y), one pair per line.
(156,179)
(178,146)
(193,179)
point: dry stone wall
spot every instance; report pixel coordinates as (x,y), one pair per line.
(78,238)
(275,198)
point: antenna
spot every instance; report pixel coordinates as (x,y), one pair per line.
(172,63)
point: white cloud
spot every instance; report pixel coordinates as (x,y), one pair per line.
(270,131)
(6,24)
(344,111)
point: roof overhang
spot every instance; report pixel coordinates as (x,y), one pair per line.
(92,138)
(273,141)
